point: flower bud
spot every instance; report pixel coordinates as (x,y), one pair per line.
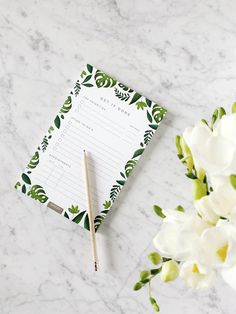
(170,271)
(198,189)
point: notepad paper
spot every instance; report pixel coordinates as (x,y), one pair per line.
(113,124)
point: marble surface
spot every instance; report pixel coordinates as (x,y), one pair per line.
(181,54)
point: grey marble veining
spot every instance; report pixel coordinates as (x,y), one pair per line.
(181,54)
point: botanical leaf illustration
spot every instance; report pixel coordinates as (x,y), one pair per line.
(77,88)
(141,105)
(121,96)
(44,143)
(79,217)
(90,68)
(135,98)
(88,85)
(107,204)
(86,222)
(138,152)
(38,193)
(114,192)
(67,105)
(153,126)
(147,136)
(125,88)
(158,113)
(149,116)
(17,185)
(33,161)
(99,218)
(74,209)
(23,189)
(103,80)
(57,122)
(149,102)
(66,215)
(25,178)
(130,166)
(86,79)
(121,182)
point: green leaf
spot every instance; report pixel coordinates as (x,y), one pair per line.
(17,185)
(86,79)
(38,193)
(57,122)
(141,105)
(107,204)
(144,274)
(222,112)
(114,192)
(79,217)
(121,182)
(121,95)
(154,304)
(103,80)
(138,152)
(66,106)
(158,113)
(88,85)
(137,286)
(233,180)
(135,98)
(149,116)
(149,102)
(153,126)
(234,107)
(180,208)
(155,258)
(33,161)
(25,178)
(23,189)
(129,167)
(66,215)
(86,222)
(74,209)
(147,136)
(158,211)
(90,68)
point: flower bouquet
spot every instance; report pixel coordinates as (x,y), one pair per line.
(197,245)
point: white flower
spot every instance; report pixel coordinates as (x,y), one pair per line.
(219,203)
(215,151)
(205,208)
(227,128)
(218,246)
(195,276)
(229,276)
(179,236)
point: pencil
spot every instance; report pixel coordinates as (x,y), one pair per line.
(90,213)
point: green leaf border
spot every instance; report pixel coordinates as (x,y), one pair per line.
(88,79)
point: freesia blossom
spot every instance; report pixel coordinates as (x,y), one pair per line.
(214,151)
(219,203)
(196,277)
(180,235)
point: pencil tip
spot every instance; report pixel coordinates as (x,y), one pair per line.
(95,266)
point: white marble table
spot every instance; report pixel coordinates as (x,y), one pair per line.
(179,53)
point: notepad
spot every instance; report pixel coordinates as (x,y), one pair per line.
(114,124)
